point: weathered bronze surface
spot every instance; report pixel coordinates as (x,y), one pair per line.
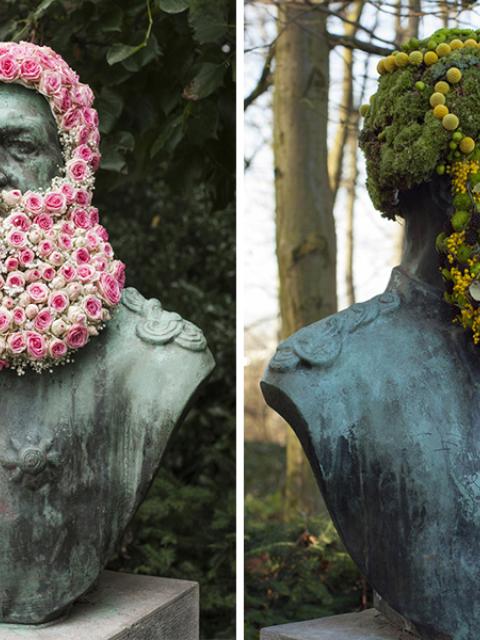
(79,446)
(384,397)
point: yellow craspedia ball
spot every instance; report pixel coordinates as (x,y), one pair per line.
(437,98)
(467,145)
(440,111)
(389,63)
(450,122)
(442,87)
(443,49)
(381,67)
(416,57)
(456,44)
(401,59)
(470,43)
(430,58)
(454,75)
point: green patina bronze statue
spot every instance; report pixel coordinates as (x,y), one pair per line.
(79,444)
(384,395)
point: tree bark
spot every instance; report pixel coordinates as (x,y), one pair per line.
(351,193)
(305,228)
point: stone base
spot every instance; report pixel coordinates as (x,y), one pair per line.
(367,625)
(123,607)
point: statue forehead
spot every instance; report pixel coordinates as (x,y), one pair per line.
(19,104)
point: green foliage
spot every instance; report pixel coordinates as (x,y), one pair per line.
(162,71)
(294,570)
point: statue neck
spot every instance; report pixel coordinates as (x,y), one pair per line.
(426,218)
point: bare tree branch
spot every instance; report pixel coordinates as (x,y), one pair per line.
(264,81)
(355,43)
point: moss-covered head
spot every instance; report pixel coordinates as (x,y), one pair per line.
(410,134)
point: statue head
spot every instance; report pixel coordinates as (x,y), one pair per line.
(59,280)
(421,139)
(30,152)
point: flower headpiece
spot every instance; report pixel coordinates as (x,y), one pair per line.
(58,278)
(425,119)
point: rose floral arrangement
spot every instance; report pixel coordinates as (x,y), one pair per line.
(425,120)
(59,281)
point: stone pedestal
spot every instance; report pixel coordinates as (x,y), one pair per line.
(123,607)
(367,625)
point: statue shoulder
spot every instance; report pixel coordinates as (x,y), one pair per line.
(159,337)
(320,344)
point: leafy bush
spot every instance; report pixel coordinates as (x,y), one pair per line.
(296,570)
(162,71)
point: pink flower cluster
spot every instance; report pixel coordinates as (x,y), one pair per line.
(59,280)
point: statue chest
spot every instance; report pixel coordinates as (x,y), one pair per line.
(75,460)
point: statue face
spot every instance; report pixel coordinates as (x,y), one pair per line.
(30,152)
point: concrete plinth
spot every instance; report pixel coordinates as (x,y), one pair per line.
(123,607)
(367,625)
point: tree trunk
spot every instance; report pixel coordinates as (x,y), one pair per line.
(351,194)
(305,229)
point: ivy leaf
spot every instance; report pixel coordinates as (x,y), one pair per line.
(42,8)
(207,80)
(169,138)
(109,105)
(112,21)
(208,19)
(173,6)
(119,52)
(114,148)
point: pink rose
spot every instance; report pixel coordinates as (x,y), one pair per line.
(68,191)
(94,137)
(68,228)
(90,117)
(71,119)
(36,345)
(4,364)
(50,83)
(83,135)
(19,220)
(38,291)
(57,348)
(16,280)
(46,57)
(48,273)
(92,240)
(9,68)
(26,257)
(108,250)
(109,289)
(32,274)
(64,241)
(33,202)
(58,301)
(16,342)
(68,271)
(11,263)
(95,161)
(55,202)
(8,302)
(93,216)
(5,319)
(62,100)
(84,152)
(81,256)
(56,258)
(119,273)
(31,311)
(93,307)
(82,94)
(43,320)
(17,239)
(85,272)
(83,197)
(59,327)
(80,218)
(12,197)
(102,232)
(99,263)
(77,336)
(45,248)
(18,315)
(77,169)
(30,70)
(74,289)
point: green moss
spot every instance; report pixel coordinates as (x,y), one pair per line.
(403,142)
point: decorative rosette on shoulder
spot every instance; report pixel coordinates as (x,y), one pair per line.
(423,121)
(59,281)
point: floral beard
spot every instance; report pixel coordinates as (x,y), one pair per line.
(59,281)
